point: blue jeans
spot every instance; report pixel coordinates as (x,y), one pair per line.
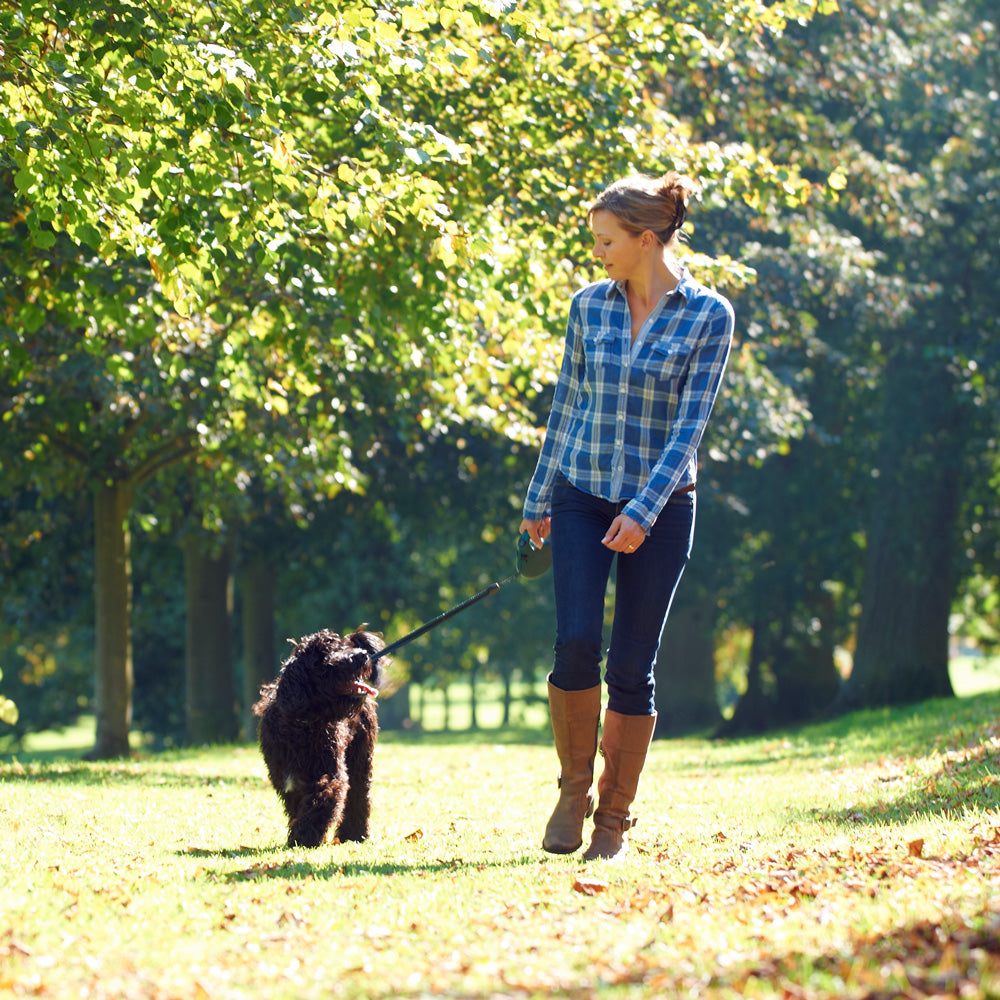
(645,582)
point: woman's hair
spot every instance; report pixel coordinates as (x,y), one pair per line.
(641,202)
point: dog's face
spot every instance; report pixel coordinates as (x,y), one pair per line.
(334,673)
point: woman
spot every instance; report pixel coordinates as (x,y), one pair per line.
(644,356)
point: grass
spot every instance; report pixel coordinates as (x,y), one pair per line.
(974,674)
(857,858)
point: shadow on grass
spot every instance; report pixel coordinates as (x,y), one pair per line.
(329,868)
(168,768)
(899,731)
(984,797)
(155,772)
(73,753)
(228,852)
(964,779)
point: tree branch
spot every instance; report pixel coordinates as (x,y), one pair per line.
(169,454)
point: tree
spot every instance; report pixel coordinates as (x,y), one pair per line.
(891,273)
(787,537)
(922,194)
(163,158)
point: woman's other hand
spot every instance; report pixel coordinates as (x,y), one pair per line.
(624,535)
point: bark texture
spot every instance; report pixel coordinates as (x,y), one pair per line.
(113,673)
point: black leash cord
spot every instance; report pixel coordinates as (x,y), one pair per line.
(444,616)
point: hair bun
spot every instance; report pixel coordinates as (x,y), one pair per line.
(677,189)
(680,186)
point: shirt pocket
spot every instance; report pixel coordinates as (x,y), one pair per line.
(602,350)
(664,361)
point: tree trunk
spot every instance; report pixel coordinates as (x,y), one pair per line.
(113,615)
(685,677)
(473,702)
(211,706)
(805,672)
(257,591)
(902,648)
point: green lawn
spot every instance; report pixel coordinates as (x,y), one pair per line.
(974,674)
(859,858)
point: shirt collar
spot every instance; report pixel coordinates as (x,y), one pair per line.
(682,286)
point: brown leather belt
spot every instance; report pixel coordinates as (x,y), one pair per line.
(684,489)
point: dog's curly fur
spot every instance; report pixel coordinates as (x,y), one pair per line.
(318,728)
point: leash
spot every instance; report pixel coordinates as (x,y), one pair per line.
(530,563)
(443,617)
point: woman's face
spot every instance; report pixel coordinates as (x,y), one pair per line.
(616,248)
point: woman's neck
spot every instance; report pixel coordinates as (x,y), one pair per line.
(652,283)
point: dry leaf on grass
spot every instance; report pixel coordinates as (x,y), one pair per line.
(590,886)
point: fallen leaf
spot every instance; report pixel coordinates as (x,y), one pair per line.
(590,886)
(915,848)
(415,836)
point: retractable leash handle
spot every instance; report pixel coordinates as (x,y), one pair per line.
(530,562)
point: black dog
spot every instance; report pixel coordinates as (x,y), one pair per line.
(318,728)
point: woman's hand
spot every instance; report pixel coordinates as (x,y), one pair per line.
(624,535)
(537,530)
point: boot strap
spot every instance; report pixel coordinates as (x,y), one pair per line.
(626,824)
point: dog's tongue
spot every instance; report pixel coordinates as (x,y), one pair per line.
(360,688)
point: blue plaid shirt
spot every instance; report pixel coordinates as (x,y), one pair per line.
(627,418)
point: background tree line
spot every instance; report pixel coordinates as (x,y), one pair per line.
(283,300)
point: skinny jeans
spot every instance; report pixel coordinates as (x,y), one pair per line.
(645,583)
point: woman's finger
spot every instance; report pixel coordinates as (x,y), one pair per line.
(624,535)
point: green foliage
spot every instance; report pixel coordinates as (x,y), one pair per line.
(247,248)
(263,167)
(8,710)
(435,526)
(874,305)
(45,612)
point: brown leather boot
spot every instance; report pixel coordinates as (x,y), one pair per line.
(575,716)
(624,745)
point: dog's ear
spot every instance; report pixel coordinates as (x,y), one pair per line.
(267,693)
(370,642)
